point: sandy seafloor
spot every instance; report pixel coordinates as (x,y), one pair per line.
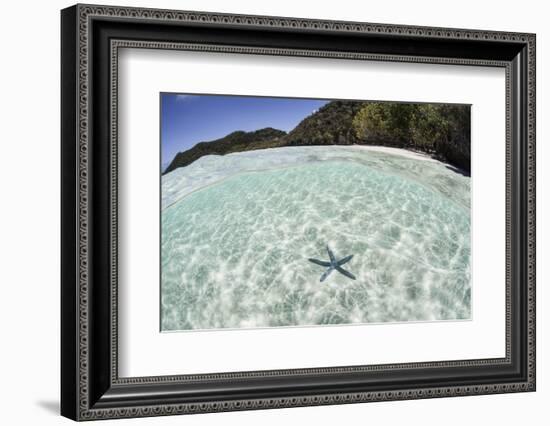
(237,230)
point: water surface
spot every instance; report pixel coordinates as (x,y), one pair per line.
(237,231)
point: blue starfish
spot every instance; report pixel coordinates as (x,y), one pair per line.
(333,264)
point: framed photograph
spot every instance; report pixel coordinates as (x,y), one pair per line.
(263,212)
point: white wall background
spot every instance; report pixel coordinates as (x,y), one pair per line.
(29,212)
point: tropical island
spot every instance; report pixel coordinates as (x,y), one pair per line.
(321,213)
(439,130)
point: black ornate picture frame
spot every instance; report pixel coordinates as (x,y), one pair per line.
(90,384)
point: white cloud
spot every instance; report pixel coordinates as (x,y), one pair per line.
(184,97)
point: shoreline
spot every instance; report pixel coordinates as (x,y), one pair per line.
(415,155)
(206,171)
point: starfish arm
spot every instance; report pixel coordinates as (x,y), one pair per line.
(331,255)
(344,272)
(344,260)
(326,274)
(320,262)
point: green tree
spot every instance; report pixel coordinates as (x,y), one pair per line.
(442,130)
(428,127)
(386,123)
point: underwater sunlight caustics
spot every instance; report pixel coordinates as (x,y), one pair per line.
(352,213)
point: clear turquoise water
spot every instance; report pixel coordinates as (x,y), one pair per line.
(237,232)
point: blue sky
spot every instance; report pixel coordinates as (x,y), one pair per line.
(189,119)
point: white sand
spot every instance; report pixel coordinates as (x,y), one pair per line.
(397,151)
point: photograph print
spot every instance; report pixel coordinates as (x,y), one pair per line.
(285,212)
